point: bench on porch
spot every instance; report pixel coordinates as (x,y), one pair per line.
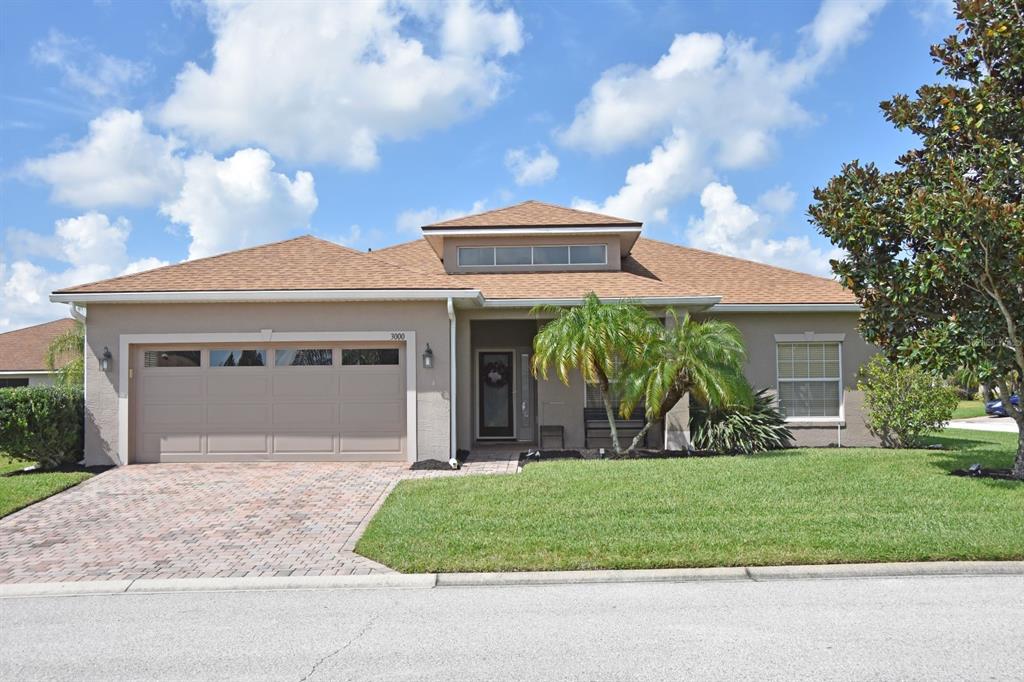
(598,434)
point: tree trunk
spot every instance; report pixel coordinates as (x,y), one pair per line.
(671,398)
(606,398)
(1018,463)
(986,392)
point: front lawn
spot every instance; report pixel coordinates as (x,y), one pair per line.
(793,507)
(21,490)
(969,408)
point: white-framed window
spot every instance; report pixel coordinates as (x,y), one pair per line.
(810,383)
(503,256)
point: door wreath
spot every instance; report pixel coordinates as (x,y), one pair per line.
(496,374)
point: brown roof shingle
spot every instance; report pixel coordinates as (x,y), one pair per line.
(302,263)
(533,214)
(24,350)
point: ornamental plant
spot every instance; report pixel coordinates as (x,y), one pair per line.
(42,424)
(904,402)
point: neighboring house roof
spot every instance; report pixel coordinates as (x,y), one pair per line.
(654,269)
(24,350)
(533,214)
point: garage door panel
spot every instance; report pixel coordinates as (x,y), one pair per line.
(229,443)
(290,415)
(375,417)
(340,411)
(172,414)
(237,414)
(371,443)
(360,383)
(229,384)
(322,443)
(163,443)
(298,383)
(156,386)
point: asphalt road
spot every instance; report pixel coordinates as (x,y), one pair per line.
(899,628)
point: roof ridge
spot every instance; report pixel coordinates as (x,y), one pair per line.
(206,258)
(38,324)
(536,202)
(737,258)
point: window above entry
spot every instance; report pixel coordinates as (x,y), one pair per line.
(504,256)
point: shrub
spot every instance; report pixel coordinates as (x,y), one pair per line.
(740,429)
(904,402)
(42,424)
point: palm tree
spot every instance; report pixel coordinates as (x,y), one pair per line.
(594,338)
(65,356)
(704,359)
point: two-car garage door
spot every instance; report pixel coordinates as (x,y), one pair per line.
(263,401)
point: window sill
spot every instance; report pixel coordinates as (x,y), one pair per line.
(824,421)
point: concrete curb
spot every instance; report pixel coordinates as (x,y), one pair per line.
(432,580)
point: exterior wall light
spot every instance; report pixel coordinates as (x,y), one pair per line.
(428,358)
(105,359)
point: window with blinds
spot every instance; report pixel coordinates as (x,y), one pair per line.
(810,379)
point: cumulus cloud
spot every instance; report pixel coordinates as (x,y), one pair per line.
(673,170)
(118,163)
(85,68)
(87,248)
(316,82)
(777,200)
(412,220)
(723,94)
(531,170)
(239,201)
(731,227)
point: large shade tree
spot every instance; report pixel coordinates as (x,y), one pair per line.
(596,338)
(935,248)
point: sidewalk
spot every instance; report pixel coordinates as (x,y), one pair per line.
(999,424)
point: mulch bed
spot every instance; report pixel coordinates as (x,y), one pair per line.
(980,472)
(594,454)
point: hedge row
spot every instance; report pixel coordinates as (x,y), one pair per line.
(42,424)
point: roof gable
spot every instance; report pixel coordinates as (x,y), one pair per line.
(533,214)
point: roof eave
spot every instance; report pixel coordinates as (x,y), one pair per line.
(265,296)
(696,302)
(786,308)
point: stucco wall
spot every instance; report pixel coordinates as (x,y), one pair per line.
(429,319)
(759,330)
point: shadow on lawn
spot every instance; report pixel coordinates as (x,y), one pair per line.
(960,453)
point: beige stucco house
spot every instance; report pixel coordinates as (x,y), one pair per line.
(23,353)
(307,350)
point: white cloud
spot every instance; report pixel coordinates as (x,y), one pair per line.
(931,12)
(533,170)
(673,170)
(777,200)
(239,201)
(724,95)
(85,68)
(328,81)
(119,163)
(89,247)
(412,220)
(736,229)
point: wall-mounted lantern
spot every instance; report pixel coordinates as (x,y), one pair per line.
(105,359)
(428,358)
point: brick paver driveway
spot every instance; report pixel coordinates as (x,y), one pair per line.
(205,520)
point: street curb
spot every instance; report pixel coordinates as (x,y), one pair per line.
(432,580)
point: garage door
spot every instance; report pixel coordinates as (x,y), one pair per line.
(295,402)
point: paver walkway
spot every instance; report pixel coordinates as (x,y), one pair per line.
(208,520)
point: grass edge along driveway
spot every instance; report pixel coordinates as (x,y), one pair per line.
(802,506)
(21,490)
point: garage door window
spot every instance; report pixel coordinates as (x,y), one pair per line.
(171,358)
(304,357)
(236,357)
(369,356)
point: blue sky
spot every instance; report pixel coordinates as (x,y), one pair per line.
(137,134)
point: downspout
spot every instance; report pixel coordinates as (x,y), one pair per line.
(453,459)
(79,315)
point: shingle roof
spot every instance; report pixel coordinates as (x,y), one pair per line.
(654,268)
(303,263)
(25,349)
(533,214)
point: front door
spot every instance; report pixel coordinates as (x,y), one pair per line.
(496,409)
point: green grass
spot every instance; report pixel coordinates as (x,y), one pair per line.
(802,506)
(21,490)
(969,408)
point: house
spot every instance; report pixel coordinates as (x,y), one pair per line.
(23,354)
(307,350)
